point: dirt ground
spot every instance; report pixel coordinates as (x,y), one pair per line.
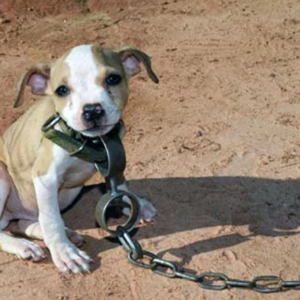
(215,146)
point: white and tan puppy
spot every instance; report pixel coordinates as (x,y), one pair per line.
(88,87)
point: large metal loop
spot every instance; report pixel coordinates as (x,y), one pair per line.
(105,202)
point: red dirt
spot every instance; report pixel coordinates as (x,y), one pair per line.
(215,145)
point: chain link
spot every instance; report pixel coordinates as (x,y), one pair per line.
(207,280)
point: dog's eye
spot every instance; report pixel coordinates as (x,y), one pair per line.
(113,79)
(62,91)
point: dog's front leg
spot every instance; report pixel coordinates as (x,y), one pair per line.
(65,255)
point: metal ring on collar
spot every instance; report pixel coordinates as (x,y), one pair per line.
(116,161)
(51,122)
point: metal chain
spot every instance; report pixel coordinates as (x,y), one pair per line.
(207,280)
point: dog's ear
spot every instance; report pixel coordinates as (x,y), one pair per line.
(131,59)
(37,78)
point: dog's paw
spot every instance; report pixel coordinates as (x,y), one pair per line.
(75,237)
(68,258)
(147,210)
(27,250)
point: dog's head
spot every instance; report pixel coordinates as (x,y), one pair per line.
(89,85)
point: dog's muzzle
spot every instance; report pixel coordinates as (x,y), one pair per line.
(92,112)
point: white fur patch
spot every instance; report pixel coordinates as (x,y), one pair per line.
(85,90)
(46,188)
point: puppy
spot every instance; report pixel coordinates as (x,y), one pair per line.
(88,88)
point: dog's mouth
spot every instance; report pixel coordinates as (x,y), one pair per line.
(97,129)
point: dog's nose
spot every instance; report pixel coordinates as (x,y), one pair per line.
(92,112)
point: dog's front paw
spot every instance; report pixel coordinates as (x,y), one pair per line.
(147,210)
(67,257)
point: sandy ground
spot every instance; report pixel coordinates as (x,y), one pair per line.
(215,146)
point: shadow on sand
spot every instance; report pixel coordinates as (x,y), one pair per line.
(268,207)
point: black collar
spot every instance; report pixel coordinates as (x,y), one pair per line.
(78,145)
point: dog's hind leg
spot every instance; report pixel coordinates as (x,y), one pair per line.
(33,230)
(26,228)
(5,189)
(20,247)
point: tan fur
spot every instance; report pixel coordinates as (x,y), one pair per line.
(23,142)
(109,61)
